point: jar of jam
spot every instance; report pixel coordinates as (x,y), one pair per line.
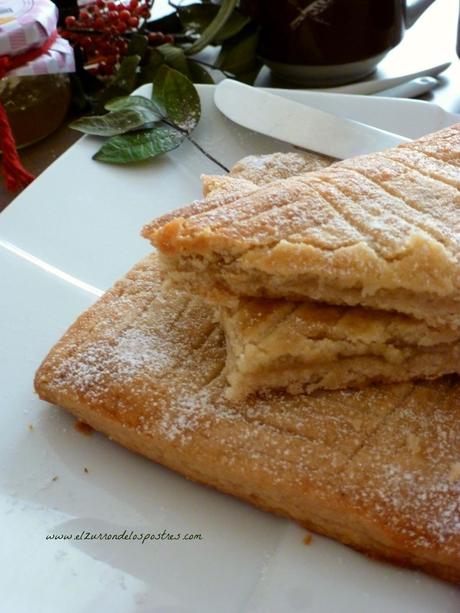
(34,67)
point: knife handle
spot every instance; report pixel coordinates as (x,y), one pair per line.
(411,89)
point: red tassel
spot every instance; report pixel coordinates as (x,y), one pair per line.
(15,175)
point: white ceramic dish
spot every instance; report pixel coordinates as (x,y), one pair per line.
(82,218)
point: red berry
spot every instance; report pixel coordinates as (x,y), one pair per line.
(133,22)
(122,27)
(133,4)
(84,17)
(100,3)
(85,42)
(168,39)
(111,6)
(113,16)
(156,38)
(111,60)
(98,23)
(125,15)
(70,21)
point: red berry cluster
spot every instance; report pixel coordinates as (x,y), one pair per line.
(158,38)
(101,31)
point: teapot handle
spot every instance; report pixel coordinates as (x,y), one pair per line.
(413,9)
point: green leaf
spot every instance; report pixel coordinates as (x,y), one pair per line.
(123,82)
(152,61)
(175,58)
(197,17)
(232,27)
(117,122)
(134,102)
(139,146)
(137,45)
(239,56)
(178,96)
(125,77)
(158,86)
(198,73)
(223,15)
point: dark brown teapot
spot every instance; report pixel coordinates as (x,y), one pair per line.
(329,42)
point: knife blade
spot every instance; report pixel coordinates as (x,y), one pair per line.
(298,124)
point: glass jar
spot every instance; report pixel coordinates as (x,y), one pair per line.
(34,65)
(36,105)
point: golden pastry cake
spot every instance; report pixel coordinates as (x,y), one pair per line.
(304,346)
(377,469)
(254,170)
(262,169)
(380,231)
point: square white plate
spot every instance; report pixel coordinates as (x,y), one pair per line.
(71,234)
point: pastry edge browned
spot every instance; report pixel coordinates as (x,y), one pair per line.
(354,372)
(326,524)
(310,374)
(228,266)
(374,536)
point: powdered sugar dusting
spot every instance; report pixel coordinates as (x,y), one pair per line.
(382,231)
(410,487)
(262,169)
(153,359)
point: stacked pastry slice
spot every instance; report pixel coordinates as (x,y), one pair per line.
(330,279)
(339,291)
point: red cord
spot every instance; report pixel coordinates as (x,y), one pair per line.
(15,175)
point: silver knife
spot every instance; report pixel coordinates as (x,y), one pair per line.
(298,124)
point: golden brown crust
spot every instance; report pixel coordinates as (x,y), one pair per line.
(304,346)
(254,170)
(381,231)
(262,169)
(377,469)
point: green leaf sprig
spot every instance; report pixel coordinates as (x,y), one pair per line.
(140,128)
(175,40)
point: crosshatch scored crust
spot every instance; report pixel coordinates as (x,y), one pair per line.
(380,230)
(377,469)
(303,346)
